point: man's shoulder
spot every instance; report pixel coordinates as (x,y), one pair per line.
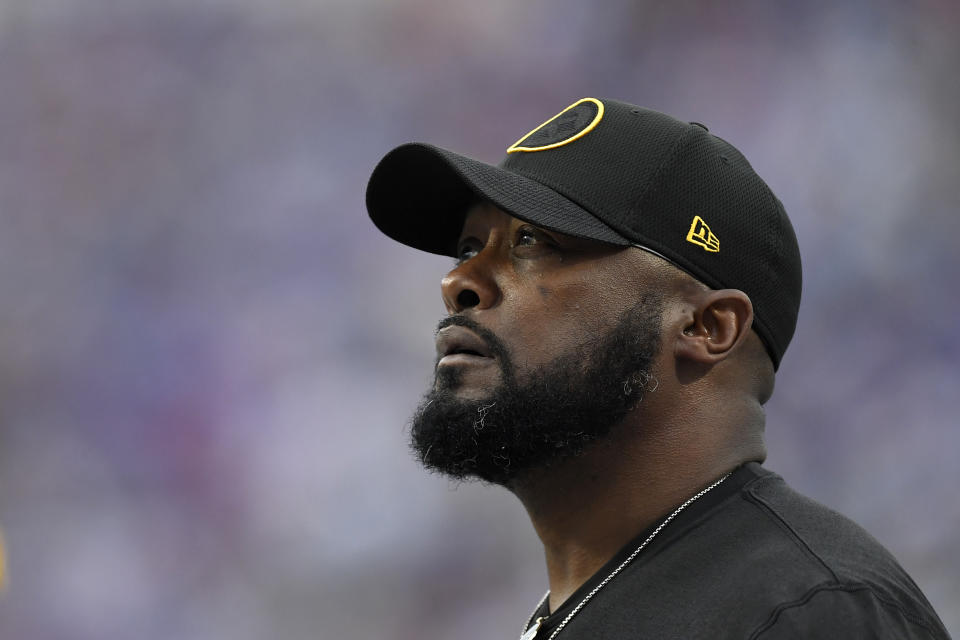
(763,561)
(814,568)
(831,542)
(833,545)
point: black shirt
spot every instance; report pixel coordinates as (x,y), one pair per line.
(751,559)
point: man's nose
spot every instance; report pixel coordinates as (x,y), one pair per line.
(471,284)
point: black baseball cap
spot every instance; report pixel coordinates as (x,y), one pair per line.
(621,174)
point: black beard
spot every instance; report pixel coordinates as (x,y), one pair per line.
(551,416)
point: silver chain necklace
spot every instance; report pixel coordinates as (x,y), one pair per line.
(531,632)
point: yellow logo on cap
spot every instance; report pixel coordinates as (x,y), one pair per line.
(572,123)
(701,235)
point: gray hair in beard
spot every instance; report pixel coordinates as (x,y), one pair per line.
(553,414)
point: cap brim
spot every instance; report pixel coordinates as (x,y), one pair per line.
(419,194)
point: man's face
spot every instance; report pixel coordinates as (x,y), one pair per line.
(550,342)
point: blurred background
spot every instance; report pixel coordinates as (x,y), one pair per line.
(208,355)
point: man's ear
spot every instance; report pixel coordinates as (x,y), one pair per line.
(720,321)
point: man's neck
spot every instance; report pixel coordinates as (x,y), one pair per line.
(586,509)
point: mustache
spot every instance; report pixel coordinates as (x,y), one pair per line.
(498,349)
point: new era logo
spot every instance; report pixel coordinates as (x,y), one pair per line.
(701,235)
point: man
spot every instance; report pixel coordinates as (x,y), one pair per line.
(624,289)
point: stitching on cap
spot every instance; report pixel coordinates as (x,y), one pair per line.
(669,159)
(669,252)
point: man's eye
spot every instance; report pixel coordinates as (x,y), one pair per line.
(527,236)
(465,252)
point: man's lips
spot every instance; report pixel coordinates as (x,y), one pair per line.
(459,345)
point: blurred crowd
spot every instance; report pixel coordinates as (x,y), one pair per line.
(208,354)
